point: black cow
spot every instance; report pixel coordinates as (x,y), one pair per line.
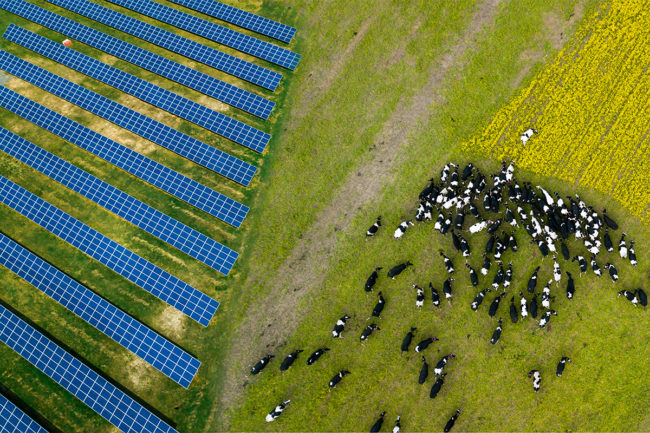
(367,331)
(377,425)
(395,271)
(289,360)
(610,222)
(570,286)
(379,307)
(261,364)
(435,389)
(497,333)
(451,421)
(561,364)
(406,342)
(424,344)
(434,296)
(317,354)
(372,279)
(337,378)
(514,314)
(424,371)
(565,251)
(533,306)
(455,240)
(643,299)
(495,305)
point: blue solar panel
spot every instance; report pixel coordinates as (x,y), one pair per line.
(166,357)
(134,268)
(214,32)
(165,228)
(14,420)
(80,380)
(162,98)
(145,59)
(152,130)
(243,19)
(166,179)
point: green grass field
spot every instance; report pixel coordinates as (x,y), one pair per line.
(383,96)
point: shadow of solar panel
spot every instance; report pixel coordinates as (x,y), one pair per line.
(159,133)
(165,228)
(134,268)
(145,59)
(14,420)
(159,352)
(158,175)
(238,17)
(220,34)
(76,377)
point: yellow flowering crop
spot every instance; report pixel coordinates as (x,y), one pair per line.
(591,107)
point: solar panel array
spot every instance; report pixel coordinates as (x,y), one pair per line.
(131,209)
(215,32)
(84,383)
(243,19)
(134,268)
(14,420)
(168,358)
(152,130)
(166,179)
(146,59)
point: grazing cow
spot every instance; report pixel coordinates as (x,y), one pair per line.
(630,296)
(543,247)
(498,278)
(459,220)
(557,273)
(595,266)
(275,413)
(381,303)
(395,271)
(610,222)
(467,171)
(419,297)
(337,378)
(622,247)
(632,254)
(522,302)
(486,265)
(424,344)
(372,279)
(581,262)
(451,421)
(546,295)
(441,364)
(339,326)
(512,242)
(570,286)
(479,299)
(435,298)
(537,379)
(426,192)
(494,226)
(472,275)
(435,389)
(489,246)
(445,225)
(367,331)
(455,240)
(526,135)
(533,306)
(406,342)
(499,250)
(514,316)
(546,317)
(508,276)
(495,304)
(317,354)
(401,229)
(261,364)
(609,246)
(510,217)
(464,247)
(497,333)
(439,222)
(613,273)
(561,365)
(374,228)
(643,299)
(424,371)
(377,425)
(448,264)
(478,227)
(398,426)
(547,196)
(565,251)
(446,287)
(289,360)
(453,181)
(510,171)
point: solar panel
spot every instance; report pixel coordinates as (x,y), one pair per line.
(152,130)
(165,228)
(134,268)
(161,98)
(243,19)
(145,59)
(166,357)
(166,179)
(214,32)
(14,420)
(76,377)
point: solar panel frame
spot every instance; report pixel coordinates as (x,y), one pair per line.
(84,383)
(241,18)
(131,334)
(209,30)
(158,175)
(150,129)
(165,228)
(145,59)
(14,420)
(129,265)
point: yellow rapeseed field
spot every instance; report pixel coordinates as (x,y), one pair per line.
(591,107)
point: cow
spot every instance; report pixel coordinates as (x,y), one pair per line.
(546,295)
(261,364)
(497,332)
(398,425)
(289,360)
(340,326)
(424,371)
(546,317)
(441,364)
(435,389)
(406,342)
(533,306)
(367,331)
(595,267)
(424,344)
(446,287)
(451,421)
(377,425)
(613,273)
(537,379)
(379,307)
(479,299)
(522,303)
(486,265)
(495,304)
(372,279)
(557,273)
(337,378)
(472,275)
(630,296)
(374,228)
(643,299)
(401,229)
(514,316)
(277,411)
(561,365)
(419,297)
(632,254)
(396,270)
(448,264)
(622,247)
(317,354)
(435,298)
(570,286)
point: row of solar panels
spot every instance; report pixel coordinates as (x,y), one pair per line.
(83,382)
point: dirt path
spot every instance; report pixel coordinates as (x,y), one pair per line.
(268,324)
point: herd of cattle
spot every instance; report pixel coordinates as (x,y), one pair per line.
(456,197)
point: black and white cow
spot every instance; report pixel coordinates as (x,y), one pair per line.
(446,287)
(514,314)
(479,299)
(286,363)
(374,228)
(424,344)
(570,286)
(339,326)
(497,333)
(486,265)
(437,386)
(498,277)
(595,267)
(440,366)
(451,421)
(472,275)
(448,264)
(277,411)
(424,371)
(630,296)
(337,378)
(537,379)
(613,273)
(419,296)
(367,331)
(406,342)
(379,306)
(396,270)
(581,262)
(435,298)
(632,254)
(261,364)
(522,303)
(546,295)
(401,229)
(507,279)
(557,272)
(398,425)
(512,242)
(377,425)
(609,245)
(478,227)
(561,365)
(546,317)
(622,247)
(495,304)
(464,247)
(372,279)
(317,354)
(527,135)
